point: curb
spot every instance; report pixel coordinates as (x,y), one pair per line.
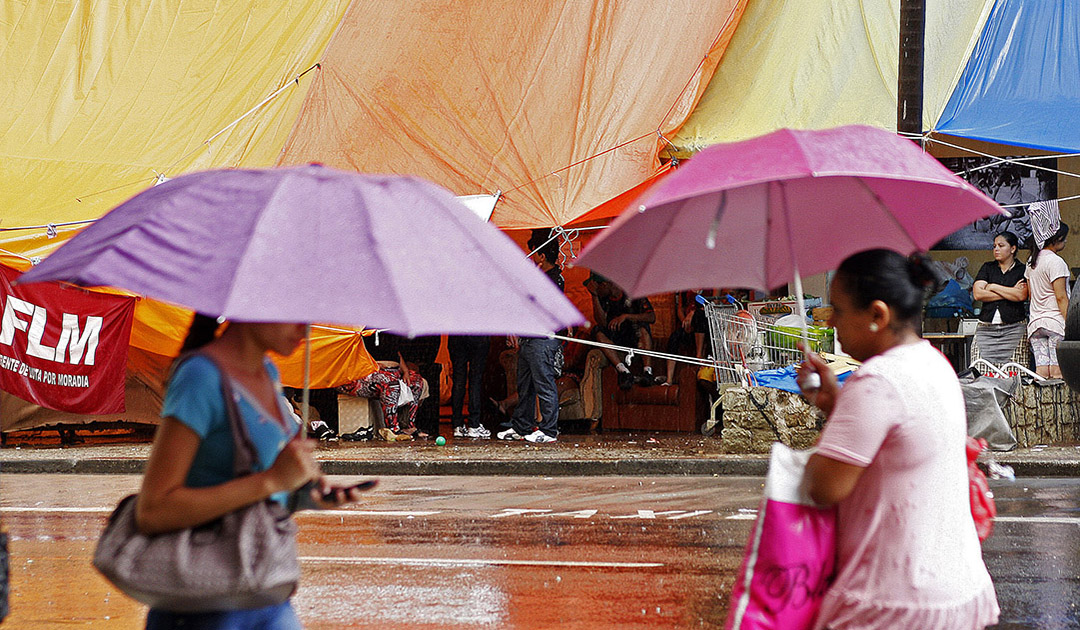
(385,468)
(520,468)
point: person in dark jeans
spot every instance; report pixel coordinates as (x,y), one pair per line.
(539,362)
(468,358)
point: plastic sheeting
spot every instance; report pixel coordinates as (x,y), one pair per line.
(806,64)
(1021,85)
(503,95)
(101,96)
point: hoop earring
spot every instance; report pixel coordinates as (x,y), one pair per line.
(874,327)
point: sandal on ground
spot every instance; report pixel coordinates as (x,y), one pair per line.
(389,436)
(416,434)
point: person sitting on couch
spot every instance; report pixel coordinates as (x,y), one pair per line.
(397,387)
(621,321)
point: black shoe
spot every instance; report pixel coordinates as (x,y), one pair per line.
(645,380)
(626,380)
(363,434)
(320,430)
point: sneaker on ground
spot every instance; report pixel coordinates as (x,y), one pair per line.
(539,437)
(363,434)
(321,430)
(460,432)
(479,433)
(509,434)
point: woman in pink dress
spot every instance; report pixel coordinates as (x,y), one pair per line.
(891,457)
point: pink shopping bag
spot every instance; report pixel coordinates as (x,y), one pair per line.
(790,558)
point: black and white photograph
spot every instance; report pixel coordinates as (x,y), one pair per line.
(1013,182)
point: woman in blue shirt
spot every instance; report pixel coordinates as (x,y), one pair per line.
(189,476)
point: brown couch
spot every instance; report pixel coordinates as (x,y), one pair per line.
(682,406)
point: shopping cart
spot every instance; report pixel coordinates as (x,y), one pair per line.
(743,344)
(737,348)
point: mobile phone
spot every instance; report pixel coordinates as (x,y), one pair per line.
(363,485)
(300,499)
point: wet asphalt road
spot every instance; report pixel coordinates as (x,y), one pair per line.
(478,552)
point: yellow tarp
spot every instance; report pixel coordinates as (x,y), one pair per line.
(812,65)
(502,95)
(101,96)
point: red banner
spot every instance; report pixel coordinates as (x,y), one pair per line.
(64,348)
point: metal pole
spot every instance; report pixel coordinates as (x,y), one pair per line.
(909,88)
(305,399)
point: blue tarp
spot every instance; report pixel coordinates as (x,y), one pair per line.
(1021,85)
(784,378)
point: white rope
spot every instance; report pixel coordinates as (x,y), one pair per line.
(11,253)
(1028,203)
(206,143)
(649,353)
(159,175)
(46,226)
(1006,160)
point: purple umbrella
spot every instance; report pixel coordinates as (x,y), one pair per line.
(313,244)
(757,213)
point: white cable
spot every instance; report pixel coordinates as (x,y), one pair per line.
(1005,160)
(46,226)
(649,353)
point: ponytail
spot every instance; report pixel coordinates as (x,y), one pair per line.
(201,332)
(1059,236)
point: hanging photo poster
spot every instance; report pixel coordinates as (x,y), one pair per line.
(1011,183)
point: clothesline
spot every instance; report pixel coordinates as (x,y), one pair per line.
(631,352)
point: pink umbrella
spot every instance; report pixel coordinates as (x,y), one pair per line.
(757,213)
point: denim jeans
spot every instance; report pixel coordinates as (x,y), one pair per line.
(468,357)
(279,617)
(536,374)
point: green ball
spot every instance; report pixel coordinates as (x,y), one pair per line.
(439,441)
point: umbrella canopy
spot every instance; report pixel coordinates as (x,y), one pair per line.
(756,213)
(313,244)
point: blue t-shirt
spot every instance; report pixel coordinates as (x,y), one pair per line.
(194,397)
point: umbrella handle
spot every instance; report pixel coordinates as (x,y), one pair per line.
(305,399)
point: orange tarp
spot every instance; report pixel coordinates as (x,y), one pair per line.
(560,105)
(502,95)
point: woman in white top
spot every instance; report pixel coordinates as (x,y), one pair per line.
(1048,282)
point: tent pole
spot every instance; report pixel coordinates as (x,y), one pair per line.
(909,82)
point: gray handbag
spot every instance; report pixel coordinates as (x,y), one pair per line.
(245,559)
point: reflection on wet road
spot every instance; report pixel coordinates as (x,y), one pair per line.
(469,552)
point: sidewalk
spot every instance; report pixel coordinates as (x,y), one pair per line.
(625,454)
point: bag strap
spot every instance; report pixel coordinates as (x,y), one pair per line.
(245,453)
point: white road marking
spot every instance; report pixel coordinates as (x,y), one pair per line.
(1057,520)
(337,513)
(689,515)
(477,562)
(517,512)
(649,514)
(642,514)
(575,513)
(346,512)
(90,510)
